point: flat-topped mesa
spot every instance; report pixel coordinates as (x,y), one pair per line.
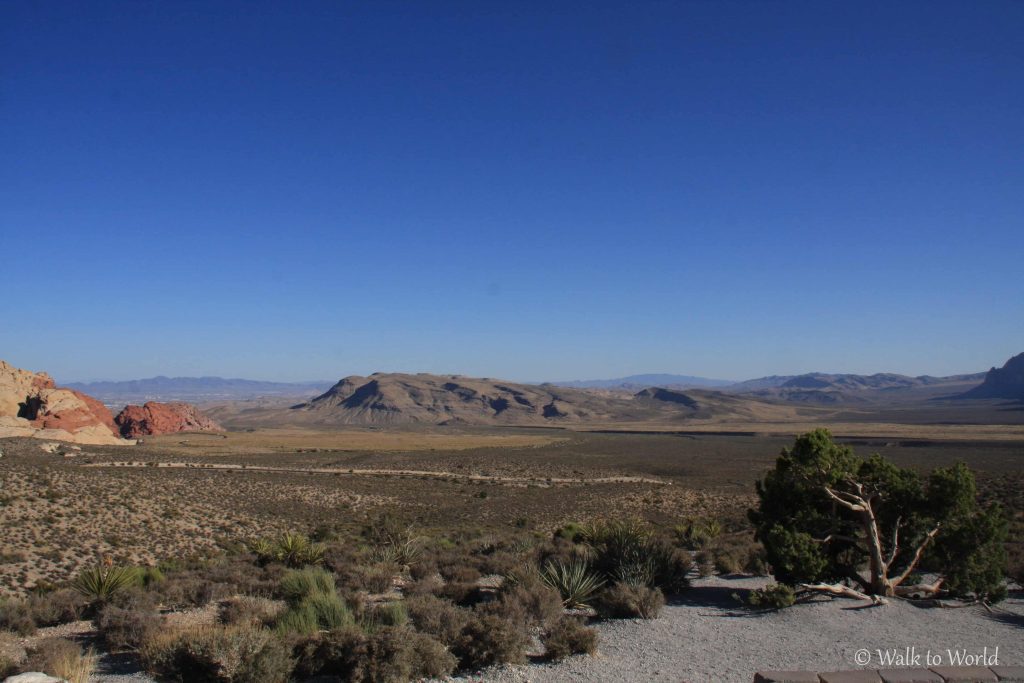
(154,418)
(31,405)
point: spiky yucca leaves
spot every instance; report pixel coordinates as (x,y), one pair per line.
(628,552)
(296,550)
(574,581)
(99,583)
(293,550)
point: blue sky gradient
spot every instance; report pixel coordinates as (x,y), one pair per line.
(532,191)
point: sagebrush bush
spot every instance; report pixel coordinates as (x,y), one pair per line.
(622,601)
(16,615)
(126,629)
(389,655)
(221,654)
(568,636)
(436,617)
(63,659)
(487,640)
(57,607)
(246,609)
(527,600)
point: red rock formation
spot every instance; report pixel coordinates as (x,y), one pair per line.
(32,405)
(163,418)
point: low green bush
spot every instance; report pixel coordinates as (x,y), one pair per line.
(774,596)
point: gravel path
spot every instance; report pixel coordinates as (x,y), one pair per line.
(706,639)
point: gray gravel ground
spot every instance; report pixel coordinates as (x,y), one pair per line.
(706,639)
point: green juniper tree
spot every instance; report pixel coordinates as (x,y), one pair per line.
(825,515)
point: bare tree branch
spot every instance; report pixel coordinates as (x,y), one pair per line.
(857,504)
(917,556)
(842,591)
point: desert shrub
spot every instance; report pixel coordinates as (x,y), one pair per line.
(623,601)
(568,636)
(222,654)
(571,532)
(705,563)
(393,542)
(428,585)
(193,589)
(296,584)
(436,617)
(61,658)
(126,629)
(387,614)
(8,666)
(431,659)
(423,570)
(317,611)
(16,615)
(575,583)
(694,534)
(246,609)
(100,583)
(389,655)
(499,563)
(774,596)
(12,654)
(487,640)
(313,602)
(529,601)
(378,578)
(463,594)
(669,566)
(627,551)
(459,573)
(56,607)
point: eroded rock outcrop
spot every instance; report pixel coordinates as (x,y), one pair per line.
(32,405)
(155,418)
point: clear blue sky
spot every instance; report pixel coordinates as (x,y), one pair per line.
(521,190)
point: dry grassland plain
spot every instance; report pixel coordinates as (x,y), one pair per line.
(196,493)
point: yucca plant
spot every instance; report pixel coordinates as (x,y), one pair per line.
(99,583)
(574,581)
(263,550)
(295,550)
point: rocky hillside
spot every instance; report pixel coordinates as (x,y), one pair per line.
(386,398)
(155,418)
(828,389)
(1004,382)
(32,405)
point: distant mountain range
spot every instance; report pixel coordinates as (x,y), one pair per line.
(195,389)
(643,381)
(814,388)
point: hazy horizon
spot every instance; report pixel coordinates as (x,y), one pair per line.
(525,191)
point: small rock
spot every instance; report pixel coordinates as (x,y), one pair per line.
(33,677)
